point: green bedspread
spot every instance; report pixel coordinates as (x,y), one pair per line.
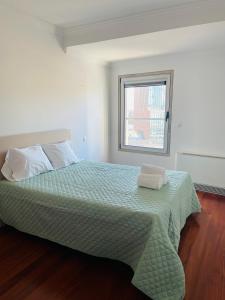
(97,208)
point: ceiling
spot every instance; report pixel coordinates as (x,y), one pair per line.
(77,12)
(191,38)
(68,13)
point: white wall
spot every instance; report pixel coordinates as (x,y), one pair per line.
(198,119)
(43,88)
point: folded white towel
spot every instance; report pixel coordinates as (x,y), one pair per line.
(154,170)
(151,181)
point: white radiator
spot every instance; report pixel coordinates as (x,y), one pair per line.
(205,169)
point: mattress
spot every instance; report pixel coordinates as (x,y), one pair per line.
(97,208)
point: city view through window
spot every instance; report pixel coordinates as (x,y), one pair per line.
(145,112)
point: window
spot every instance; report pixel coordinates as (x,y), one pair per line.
(145,112)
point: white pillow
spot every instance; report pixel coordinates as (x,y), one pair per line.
(6,171)
(25,163)
(60,154)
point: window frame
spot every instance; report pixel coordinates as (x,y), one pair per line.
(149,77)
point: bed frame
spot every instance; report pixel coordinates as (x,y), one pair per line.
(29,139)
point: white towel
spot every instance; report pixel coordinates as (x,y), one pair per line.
(151,181)
(154,170)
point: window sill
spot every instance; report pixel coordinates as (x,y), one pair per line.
(148,152)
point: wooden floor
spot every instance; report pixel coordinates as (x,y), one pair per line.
(35,269)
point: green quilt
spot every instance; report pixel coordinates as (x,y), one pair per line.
(97,208)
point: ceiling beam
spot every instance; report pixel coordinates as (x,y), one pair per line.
(194,13)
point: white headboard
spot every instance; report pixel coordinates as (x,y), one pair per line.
(29,139)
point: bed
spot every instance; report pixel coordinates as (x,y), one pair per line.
(98,209)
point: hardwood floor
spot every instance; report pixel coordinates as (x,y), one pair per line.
(35,269)
(202,250)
